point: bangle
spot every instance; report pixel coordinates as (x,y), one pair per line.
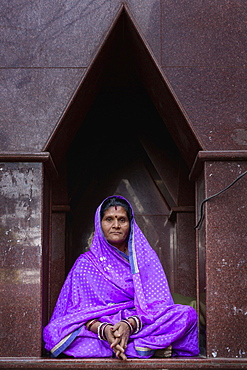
(132,327)
(90,323)
(129,325)
(138,323)
(101,329)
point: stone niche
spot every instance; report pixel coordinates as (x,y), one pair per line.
(124,104)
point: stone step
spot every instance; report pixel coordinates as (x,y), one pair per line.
(113,364)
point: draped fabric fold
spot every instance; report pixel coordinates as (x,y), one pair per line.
(108,285)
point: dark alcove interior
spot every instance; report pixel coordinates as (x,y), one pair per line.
(113,139)
(118,150)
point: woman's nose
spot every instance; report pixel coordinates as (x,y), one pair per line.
(115,223)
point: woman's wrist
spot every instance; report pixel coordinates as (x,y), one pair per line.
(98,328)
(132,323)
(92,325)
(101,330)
(130,326)
(137,323)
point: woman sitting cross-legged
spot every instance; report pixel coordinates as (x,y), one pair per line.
(116,301)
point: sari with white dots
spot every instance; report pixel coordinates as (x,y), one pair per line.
(109,285)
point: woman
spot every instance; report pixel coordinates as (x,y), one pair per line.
(116,301)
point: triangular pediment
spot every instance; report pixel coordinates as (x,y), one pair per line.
(123,58)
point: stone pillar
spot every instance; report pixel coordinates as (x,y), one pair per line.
(222,253)
(22,250)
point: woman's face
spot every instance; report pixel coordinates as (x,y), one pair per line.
(115,225)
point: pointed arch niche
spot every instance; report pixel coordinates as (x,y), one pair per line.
(124,132)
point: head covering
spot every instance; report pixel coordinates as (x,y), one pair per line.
(105,283)
(145,267)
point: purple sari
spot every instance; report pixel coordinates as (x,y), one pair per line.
(107,284)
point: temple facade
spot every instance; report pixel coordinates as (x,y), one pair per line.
(143,98)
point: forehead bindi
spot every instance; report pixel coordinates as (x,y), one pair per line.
(116,211)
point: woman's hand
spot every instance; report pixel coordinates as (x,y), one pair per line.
(114,342)
(121,332)
(117,336)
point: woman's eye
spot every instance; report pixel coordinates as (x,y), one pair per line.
(108,219)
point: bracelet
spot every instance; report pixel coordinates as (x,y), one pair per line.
(101,329)
(100,336)
(90,323)
(138,323)
(129,325)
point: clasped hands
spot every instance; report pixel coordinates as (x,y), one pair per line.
(117,336)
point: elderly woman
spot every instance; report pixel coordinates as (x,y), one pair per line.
(116,301)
